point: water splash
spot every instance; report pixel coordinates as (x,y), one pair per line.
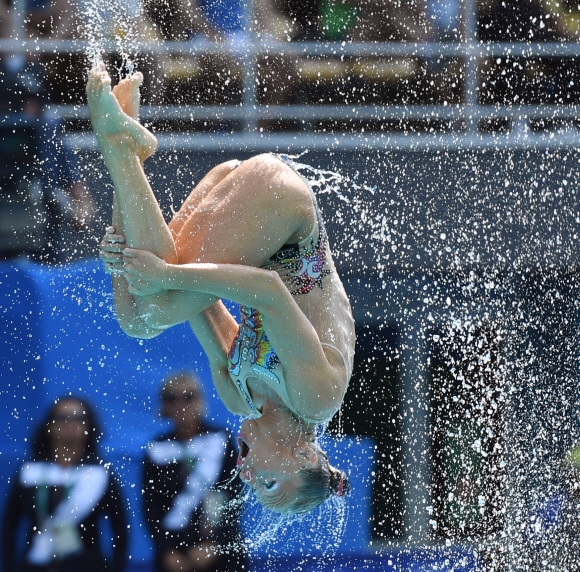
(473,265)
(319,532)
(112,26)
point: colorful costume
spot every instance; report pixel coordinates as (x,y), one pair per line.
(65,508)
(184,504)
(301,267)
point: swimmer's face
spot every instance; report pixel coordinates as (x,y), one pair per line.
(270,464)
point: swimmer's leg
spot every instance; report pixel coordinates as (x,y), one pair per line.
(247,215)
(124,143)
(114,112)
(136,213)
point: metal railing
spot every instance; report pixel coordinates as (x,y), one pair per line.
(466,115)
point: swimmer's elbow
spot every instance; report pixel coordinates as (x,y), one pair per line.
(274,296)
(139,329)
(135,326)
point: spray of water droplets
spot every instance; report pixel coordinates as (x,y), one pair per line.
(470,270)
(476,270)
(112,26)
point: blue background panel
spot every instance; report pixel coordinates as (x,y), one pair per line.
(61,337)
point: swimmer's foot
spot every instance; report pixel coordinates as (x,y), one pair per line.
(109,115)
(127,94)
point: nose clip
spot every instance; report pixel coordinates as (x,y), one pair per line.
(246,475)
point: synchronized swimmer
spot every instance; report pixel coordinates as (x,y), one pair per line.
(250,232)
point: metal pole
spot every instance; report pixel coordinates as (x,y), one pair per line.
(417,447)
(471,65)
(19,11)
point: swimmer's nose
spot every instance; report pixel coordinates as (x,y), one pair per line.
(247,475)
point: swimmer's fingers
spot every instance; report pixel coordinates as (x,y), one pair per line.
(145,264)
(112,242)
(111,252)
(139,287)
(111,256)
(113,262)
(144,271)
(111,239)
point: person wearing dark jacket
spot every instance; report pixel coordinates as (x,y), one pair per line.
(65,494)
(189,498)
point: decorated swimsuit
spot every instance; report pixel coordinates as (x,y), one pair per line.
(302,267)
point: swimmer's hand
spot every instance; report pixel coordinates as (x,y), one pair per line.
(111,252)
(144,271)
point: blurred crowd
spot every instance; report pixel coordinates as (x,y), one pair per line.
(217,75)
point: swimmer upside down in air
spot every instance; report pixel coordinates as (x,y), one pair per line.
(250,232)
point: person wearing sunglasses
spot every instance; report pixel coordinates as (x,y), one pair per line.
(65,494)
(250,232)
(188,486)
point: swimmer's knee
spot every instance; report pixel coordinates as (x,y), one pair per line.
(222,170)
(265,161)
(268,171)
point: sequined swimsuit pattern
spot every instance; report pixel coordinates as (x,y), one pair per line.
(303,264)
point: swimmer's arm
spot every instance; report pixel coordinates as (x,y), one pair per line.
(128,314)
(215,329)
(141,317)
(316,386)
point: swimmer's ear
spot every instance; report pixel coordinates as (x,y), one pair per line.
(307,455)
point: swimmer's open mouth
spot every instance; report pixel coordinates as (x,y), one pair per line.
(244,450)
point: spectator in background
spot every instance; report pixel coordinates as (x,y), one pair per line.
(565,18)
(446,74)
(64,71)
(6,25)
(515,21)
(325,80)
(277,74)
(563,80)
(187,483)
(445,19)
(182,20)
(45,200)
(390,79)
(516,80)
(52,18)
(380,21)
(64,494)
(44,196)
(204,77)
